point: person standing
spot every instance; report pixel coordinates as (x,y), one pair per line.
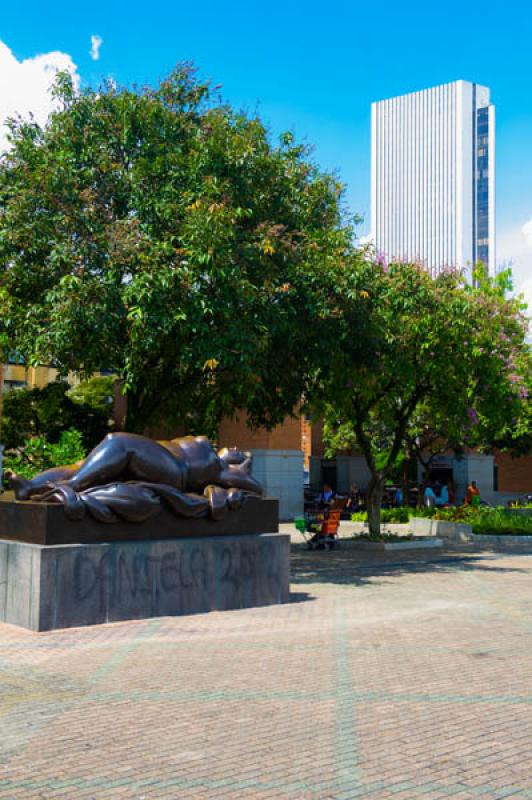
(353,501)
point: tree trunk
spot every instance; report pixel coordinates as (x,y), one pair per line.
(134,418)
(404,478)
(374,500)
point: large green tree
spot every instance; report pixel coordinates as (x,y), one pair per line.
(444,359)
(160,234)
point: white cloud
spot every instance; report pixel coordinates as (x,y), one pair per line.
(367,240)
(96,43)
(527,230)
(25,85)
(514,248)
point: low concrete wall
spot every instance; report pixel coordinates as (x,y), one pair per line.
(48,587)
(457,531)
(418,544)
(281,474)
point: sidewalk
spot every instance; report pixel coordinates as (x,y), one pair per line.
(398,676)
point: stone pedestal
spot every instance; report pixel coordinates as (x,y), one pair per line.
(43,587)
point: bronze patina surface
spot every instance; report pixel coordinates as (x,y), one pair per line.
(130,478)
(46,523)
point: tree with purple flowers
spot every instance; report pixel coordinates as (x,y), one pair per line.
(444,359)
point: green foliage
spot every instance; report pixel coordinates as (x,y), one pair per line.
(500,522)
(388,515)
(38,454)
(443,360)
(483,520)
(36,413)
(97,393)
(162,235)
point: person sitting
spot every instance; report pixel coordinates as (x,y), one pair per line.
(327,495)
(429,497)
(443,498)
(472,497)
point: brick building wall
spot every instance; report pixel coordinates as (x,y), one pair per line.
(514,474)
(235,433)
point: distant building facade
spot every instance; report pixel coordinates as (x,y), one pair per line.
(433,176)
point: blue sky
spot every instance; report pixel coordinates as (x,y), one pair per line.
(315,68)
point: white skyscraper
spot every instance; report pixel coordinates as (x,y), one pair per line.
(433,176)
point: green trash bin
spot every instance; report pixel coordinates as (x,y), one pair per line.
(299,523)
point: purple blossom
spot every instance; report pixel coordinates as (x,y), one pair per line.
(473,416)
(382,261)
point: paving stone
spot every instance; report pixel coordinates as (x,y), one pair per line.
(387,677)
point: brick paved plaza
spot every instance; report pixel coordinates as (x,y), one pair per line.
(406,676)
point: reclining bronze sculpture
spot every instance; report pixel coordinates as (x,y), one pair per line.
(127,476)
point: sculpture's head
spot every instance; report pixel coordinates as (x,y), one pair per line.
(233,457)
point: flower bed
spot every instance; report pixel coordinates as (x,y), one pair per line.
(482,521)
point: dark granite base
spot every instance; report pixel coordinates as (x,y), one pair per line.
(47,587)
(46,524)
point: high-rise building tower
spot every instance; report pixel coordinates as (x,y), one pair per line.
(433,176)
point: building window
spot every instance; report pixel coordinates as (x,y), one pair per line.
(14,385)
(495,477)
(482,187)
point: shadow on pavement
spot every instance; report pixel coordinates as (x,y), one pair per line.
(301,597)
(356,568)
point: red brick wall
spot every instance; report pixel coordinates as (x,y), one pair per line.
(235,433)
(317,446)
(515,474)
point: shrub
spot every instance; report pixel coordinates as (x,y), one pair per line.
(38,454)
(494,521)
(48,412)
(500,521)
(388,515)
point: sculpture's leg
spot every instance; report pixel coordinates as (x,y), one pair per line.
(104,464)
(26,488)
(129,456)
(217,501)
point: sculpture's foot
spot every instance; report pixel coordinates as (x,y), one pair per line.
(235,499)
(21,486)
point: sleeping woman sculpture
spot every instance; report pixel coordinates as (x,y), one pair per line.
(127,476)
